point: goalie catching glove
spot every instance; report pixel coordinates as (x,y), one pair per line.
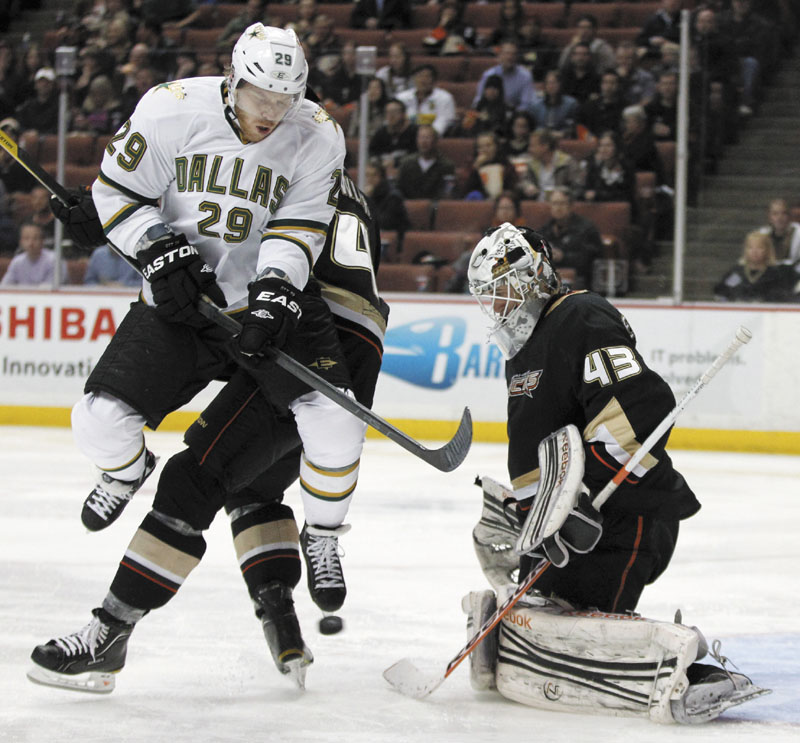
(273,312)
(178,275)
(580,533)
(80,219)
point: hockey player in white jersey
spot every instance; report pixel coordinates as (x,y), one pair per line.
(224,187)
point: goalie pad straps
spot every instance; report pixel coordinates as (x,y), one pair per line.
(561,464)
(580,533)
(593,662)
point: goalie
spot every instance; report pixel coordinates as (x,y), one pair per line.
(572,367)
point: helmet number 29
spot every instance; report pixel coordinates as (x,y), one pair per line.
(283,58)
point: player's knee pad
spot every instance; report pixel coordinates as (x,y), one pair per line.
(331,436)
(267,544)
(575,661)
(187,492)
(107,430)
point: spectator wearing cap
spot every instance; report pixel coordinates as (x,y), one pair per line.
(518,89)
(428,104)
(40,113)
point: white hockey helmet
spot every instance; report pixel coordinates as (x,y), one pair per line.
(512,278)
(273,60)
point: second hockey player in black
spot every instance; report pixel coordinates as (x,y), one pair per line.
(572,358)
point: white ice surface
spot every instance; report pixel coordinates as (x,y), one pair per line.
(198,670)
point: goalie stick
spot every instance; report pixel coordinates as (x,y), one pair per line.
(410,681)
(445,459)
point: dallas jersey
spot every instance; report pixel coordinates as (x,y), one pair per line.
(581,366)
(181,160)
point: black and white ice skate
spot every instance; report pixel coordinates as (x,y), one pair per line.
(275,609)
(324,566)
(712,690)
(109,497)
(85,660)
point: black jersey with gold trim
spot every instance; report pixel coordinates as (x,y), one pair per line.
(346,271)
(581,366)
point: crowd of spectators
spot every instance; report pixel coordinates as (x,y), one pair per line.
(617,98)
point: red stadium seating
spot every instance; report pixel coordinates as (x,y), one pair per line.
(471,216)
(420,213)
(406,278)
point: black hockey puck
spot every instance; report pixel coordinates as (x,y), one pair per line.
(330,625)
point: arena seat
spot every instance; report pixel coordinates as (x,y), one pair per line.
(608,15)
(476,66)
(447,245)
(406,278)
(635,14)
(463,93)
(29,141)
(456,215)
(78,175)
(579,149)
(81,149)
(461,150)
(201,39)
(667,152)
(561,37)
(448,69)
(410,38)
(364,37)
(4,261)
(424,16)
(420,213)
(550,15)
(534,213)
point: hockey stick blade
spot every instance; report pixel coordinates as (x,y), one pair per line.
(445,459)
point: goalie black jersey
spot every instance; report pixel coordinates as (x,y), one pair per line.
(581,366)
(346,271)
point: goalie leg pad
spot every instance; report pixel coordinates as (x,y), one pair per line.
(592,662)
(479,606)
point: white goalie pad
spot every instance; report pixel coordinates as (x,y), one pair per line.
(494,535)
(592,662)
(561,465)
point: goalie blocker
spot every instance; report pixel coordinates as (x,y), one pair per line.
(548,656)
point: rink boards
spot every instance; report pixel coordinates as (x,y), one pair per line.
(437,361)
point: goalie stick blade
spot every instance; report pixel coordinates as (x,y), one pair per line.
(406,678)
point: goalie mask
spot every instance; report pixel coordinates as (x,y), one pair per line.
(511,276)
(272,61)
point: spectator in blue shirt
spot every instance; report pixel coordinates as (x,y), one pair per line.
(106,268)
(517,79)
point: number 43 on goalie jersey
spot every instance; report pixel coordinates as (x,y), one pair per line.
(581,366)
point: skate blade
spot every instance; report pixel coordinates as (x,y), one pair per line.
(95,682)
(294,664)
(712,711)
(296,669)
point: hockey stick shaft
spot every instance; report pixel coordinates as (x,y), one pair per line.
(445,459)
(410,681)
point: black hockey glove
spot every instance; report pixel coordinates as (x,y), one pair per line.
(580,533)
(80,219)
(178,276)
(273,312)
